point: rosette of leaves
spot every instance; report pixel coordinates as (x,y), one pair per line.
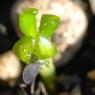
(34,47)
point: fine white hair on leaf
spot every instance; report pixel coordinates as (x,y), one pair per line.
(30,72)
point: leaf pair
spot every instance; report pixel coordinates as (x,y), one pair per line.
(28,50)
(28,26)
(47,72)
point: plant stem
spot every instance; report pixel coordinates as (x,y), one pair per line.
(22,89)
(43,89)
(33,87)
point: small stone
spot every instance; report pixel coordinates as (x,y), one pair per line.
(10,67)
(91,74)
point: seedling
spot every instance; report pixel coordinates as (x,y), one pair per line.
(35,48)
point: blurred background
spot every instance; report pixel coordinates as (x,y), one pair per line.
(74,66)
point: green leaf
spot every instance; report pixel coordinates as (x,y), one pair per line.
(47,72)
(24,49)
(27,22)
(45,49)
(48,24)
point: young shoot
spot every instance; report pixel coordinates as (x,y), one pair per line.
(34,48)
